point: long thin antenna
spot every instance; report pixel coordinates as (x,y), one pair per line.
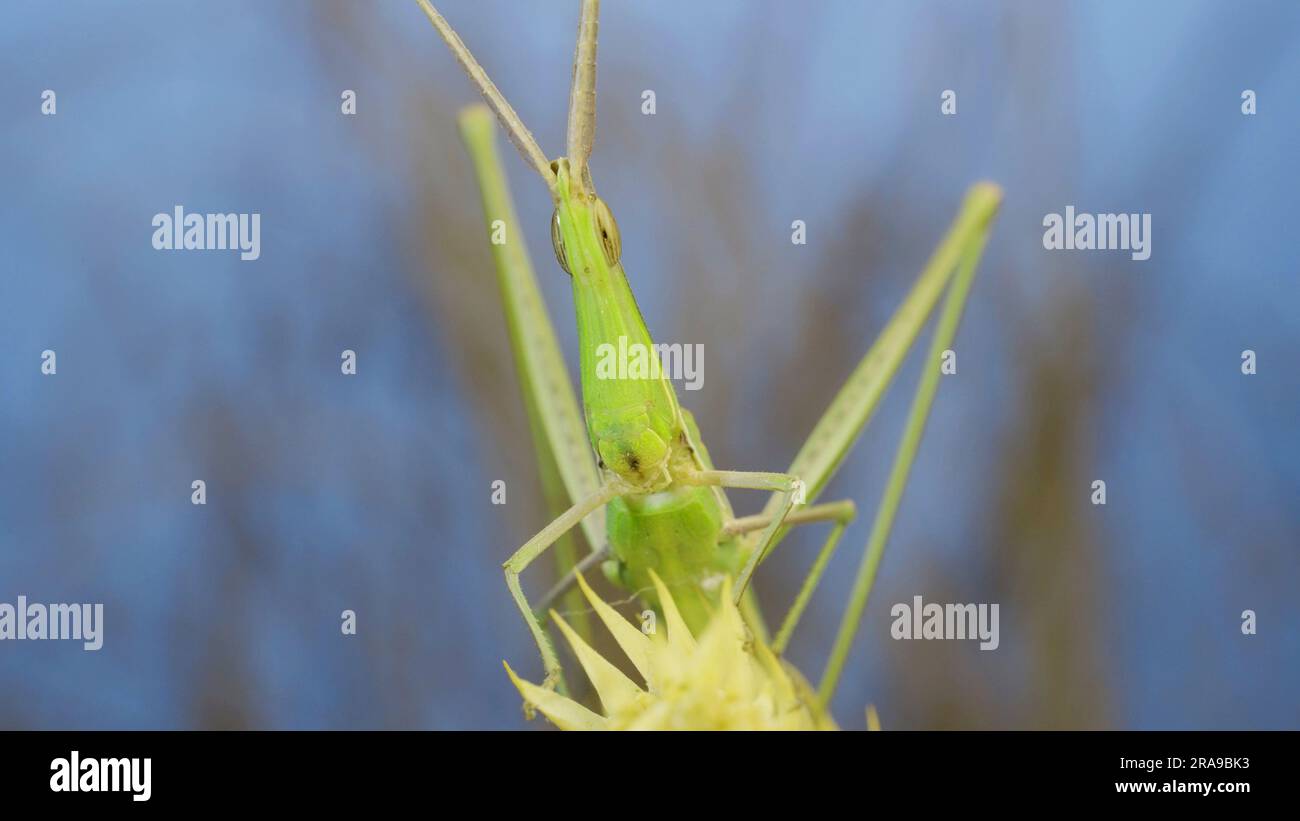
(515,128)
(582,95)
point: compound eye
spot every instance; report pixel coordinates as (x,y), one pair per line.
(610,242)
(557,243)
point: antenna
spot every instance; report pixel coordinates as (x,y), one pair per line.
(582,95)
(515,128)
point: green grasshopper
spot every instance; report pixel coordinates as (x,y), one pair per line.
(640,482)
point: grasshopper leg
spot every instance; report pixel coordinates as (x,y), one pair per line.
(792,492)
(813,577)
(843,510)
(565,584)
(533,548)
(841,513)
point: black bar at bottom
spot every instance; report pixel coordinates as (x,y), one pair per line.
(529,771)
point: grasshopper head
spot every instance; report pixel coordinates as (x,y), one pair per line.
(581,224)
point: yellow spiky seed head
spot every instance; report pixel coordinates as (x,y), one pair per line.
(724,680)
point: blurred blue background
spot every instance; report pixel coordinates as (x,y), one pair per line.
(372,492)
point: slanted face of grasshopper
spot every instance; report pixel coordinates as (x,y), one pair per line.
(652,480)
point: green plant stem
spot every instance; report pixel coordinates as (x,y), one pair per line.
(906,455)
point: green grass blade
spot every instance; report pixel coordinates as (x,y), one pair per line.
(982,203)
(846,416)
(568,469)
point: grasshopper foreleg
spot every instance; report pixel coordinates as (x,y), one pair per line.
(535,547)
